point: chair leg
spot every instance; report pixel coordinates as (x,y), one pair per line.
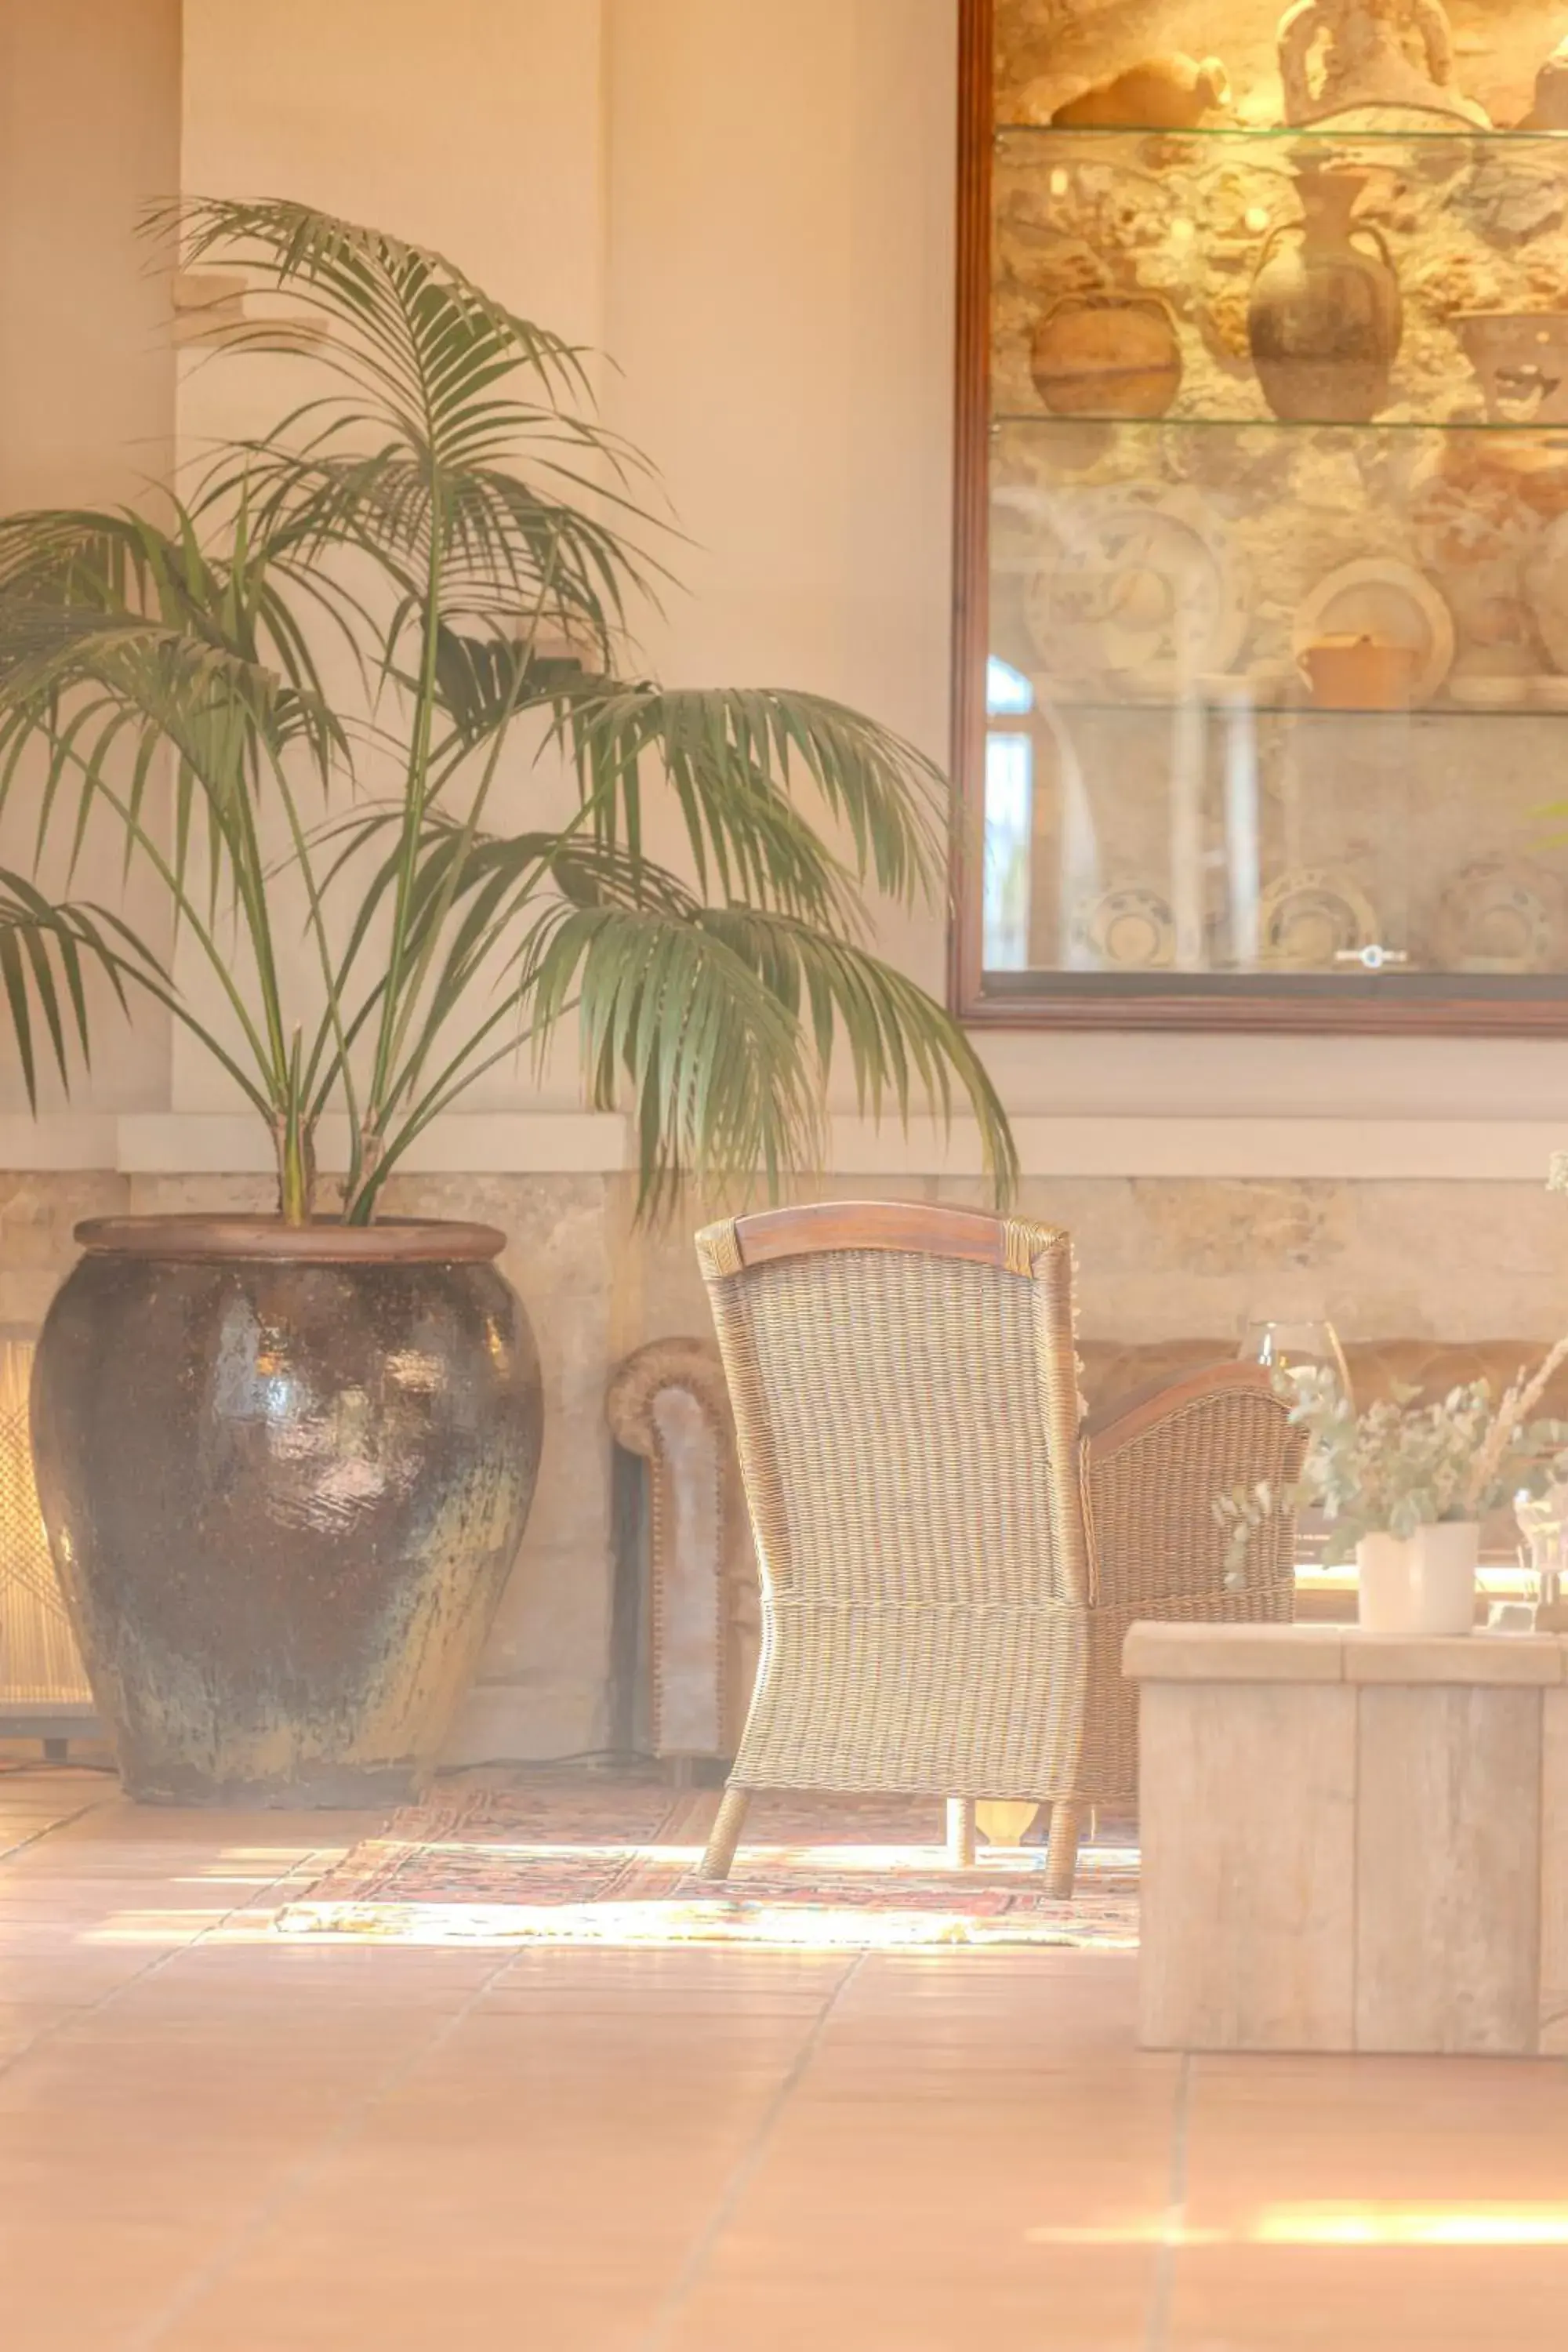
(1061,1856)
(960,1832)
(732,1809)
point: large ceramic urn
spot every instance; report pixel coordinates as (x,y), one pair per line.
(285,1473)
(1325,318)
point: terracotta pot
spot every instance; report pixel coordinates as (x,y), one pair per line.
(1168,93)
(284,1475)
(1325,318)
(1424,1583)
(1361,674)
(1107,355)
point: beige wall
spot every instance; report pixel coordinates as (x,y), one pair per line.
(89,133)
(473,126)
(780,301)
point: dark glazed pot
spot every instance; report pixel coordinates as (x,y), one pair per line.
(285,1474)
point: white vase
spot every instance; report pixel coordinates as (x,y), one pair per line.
(1424,1583)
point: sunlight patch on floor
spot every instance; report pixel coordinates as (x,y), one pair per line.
(1330,2225)
(924,1861)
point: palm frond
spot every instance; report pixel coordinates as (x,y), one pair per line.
(716,1031)
(676,1027)
(101,694)
(447,394)
(736,761)
(45,951)
(403,296)
(86,597)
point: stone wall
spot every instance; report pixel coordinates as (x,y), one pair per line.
(1159,1259)
(38,1213)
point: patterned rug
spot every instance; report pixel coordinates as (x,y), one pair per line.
(615,1862)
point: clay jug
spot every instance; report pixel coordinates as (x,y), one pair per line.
(1361,674)
(1325,318)
(1107,355)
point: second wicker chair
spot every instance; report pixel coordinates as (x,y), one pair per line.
(949,1555)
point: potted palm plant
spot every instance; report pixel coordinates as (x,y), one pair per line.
(286,1462)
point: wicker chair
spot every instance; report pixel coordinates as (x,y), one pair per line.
(950,1555)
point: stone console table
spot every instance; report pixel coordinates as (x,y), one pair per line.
(1352,1843)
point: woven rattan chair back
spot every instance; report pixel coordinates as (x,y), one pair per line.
(1159,1551)
(905,1411)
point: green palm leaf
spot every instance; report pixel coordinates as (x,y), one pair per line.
(46,951)
(719,1028)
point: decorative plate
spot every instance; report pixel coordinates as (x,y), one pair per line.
(1546,589)
(1143,590)
(1479,690)
(1127,929)
(1379,596)
(1307,919)
(1498,917)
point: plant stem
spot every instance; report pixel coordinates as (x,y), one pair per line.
(416,790)
(296,1169)
(296,1146)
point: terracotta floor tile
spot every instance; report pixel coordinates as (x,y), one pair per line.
(892,2315)
(23,2021)
(99,2297)
(68,1981)
(1482,2300)
(450,2315)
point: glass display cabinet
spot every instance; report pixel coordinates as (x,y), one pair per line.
(1262,654)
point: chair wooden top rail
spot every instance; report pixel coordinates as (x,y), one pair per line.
(1131,1417)
(912,1225)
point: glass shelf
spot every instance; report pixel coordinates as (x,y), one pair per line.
(1011,419)
(1443,131)
(1233,703)
(1217,982)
